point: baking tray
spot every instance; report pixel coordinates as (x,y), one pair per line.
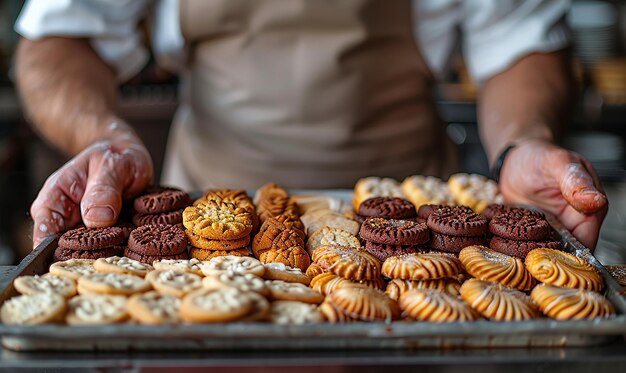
(395,335)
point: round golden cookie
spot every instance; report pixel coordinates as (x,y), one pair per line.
(334,220)
(364,303)
(290,312)
(314,270)
(396,287)
(331,236)
(215,305)
(349,263)
(327,282)
(276,237)
(294,256)
(125,265)
(174,283)
(223,245)
(154,308)
(218,221)
(281,290)
(490,265)
(430,266)
(30,285)
(96,309)
(179,265)
(260,310)
(497,302)
(243,282)
(558,268)
(435,306)
(40,308)
(571,304)
(206,255)
(333,314)
(112,284)
(236,264)
(280,271)
(73,268)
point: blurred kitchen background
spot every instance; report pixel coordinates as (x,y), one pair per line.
(149,100)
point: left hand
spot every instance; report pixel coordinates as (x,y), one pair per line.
(561,182)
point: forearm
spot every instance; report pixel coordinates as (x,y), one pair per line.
(69,93)
(529,101)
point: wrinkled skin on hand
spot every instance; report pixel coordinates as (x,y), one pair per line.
(90,187)
(558,181)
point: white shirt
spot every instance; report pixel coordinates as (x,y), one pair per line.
(494,33)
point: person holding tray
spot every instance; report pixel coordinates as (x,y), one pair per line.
(306,93)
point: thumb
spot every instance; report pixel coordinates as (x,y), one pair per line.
(579,185)
(102,200)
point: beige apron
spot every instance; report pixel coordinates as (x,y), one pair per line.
(305,93)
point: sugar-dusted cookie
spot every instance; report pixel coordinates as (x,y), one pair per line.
(122,265)
(423,190)
(281,290)
(215,305)
(179,265)
(349,263)
(48,283)
(364,303)
(489,265)
(112,284)
(328,282)
(331,236)
(396,287)
(96,309)
(154,308)
(563,269)
(206,255)
(73,268)
(260,310)
(83,238)
(429,266)
(39,308)
(174,283)
(236,264)
(243,282)
(571,304)
(497,302)
(475,191)
(280,271)
(218,221)
(435,306)
(394,232)
(291,312)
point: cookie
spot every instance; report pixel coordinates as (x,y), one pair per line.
(208,244)
(243,282)
(91,238)
(113,284)
(363,303)
(174,283)
(520,248)
(331,236)
(154,308)
(280,271)
(518,225)
(260,310)
(475,191)
(40,308)
(333,314)
(563,269)
(96,309)
(314,270)
(453,244)
(61,254)
(382,251)
(48,283)
(424,211)
(349,263)
(429,266)
(618,272)
(275,238)
(236,264)
(326,283)
(206,255)
(571,304)
(179,265)
(394,232)
(387,208)
(489,265)
(294,256)
(72,268)
(285,222)
(334,220)
(291,312)
(457,221)
(281,290)
(497,302)
(494,209)
(435,306)
(149,259)
(423,190)
(372,186)
(122,265)
(396,287)
(215,305)
(167,218)
(271,200)
(161,199)
(158,240)
(218,221)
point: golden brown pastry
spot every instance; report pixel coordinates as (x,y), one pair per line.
(563,269)
(349,263)
(421,266)
(571,304)
(497,302)
(490,265)
(435,306)
(396,287)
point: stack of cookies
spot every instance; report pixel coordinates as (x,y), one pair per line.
(153,242)
(89,243)
(456,227)
(386,208)
(219,224)
(160,205)
(337,263)
(388,237)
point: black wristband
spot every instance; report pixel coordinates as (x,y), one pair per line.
(497,166)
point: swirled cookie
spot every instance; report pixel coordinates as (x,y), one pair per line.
(429,266)
(349,263)
(396,287)
(497,302)
(571,304)
(489,265)
(314,270)
(563,269)
(435,306)
(328,282)
(363,303)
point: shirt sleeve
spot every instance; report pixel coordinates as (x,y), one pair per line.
(496,33)
(110,25)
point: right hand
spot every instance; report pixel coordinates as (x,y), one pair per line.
(91,187)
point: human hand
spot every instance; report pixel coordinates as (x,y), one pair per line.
(561,182)
(91,187)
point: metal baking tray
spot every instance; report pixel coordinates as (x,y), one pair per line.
(395,335)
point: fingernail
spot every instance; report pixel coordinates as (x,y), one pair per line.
(100,214)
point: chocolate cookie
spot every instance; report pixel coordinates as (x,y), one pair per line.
(520,248)
(171,218)
(520,225)
(494,209)
(394,232)
(453,244)
(91,238)
(425,210)
(61,254)
(457,221)
(159,240)
(387,207)
(382,251)
(149,259)
(161,199)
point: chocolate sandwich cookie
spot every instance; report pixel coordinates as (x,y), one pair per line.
(159,240)
(394,232)
(171,218)
(91,238)
(457,221)
(453,244)
(161,199)
(520,248)
(387,207)
(425,210)
(382,251)
(520,225)
(61,254)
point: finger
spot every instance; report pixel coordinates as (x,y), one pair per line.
(578,187)
(585,228)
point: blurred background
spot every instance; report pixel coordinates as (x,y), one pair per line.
(149,101)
